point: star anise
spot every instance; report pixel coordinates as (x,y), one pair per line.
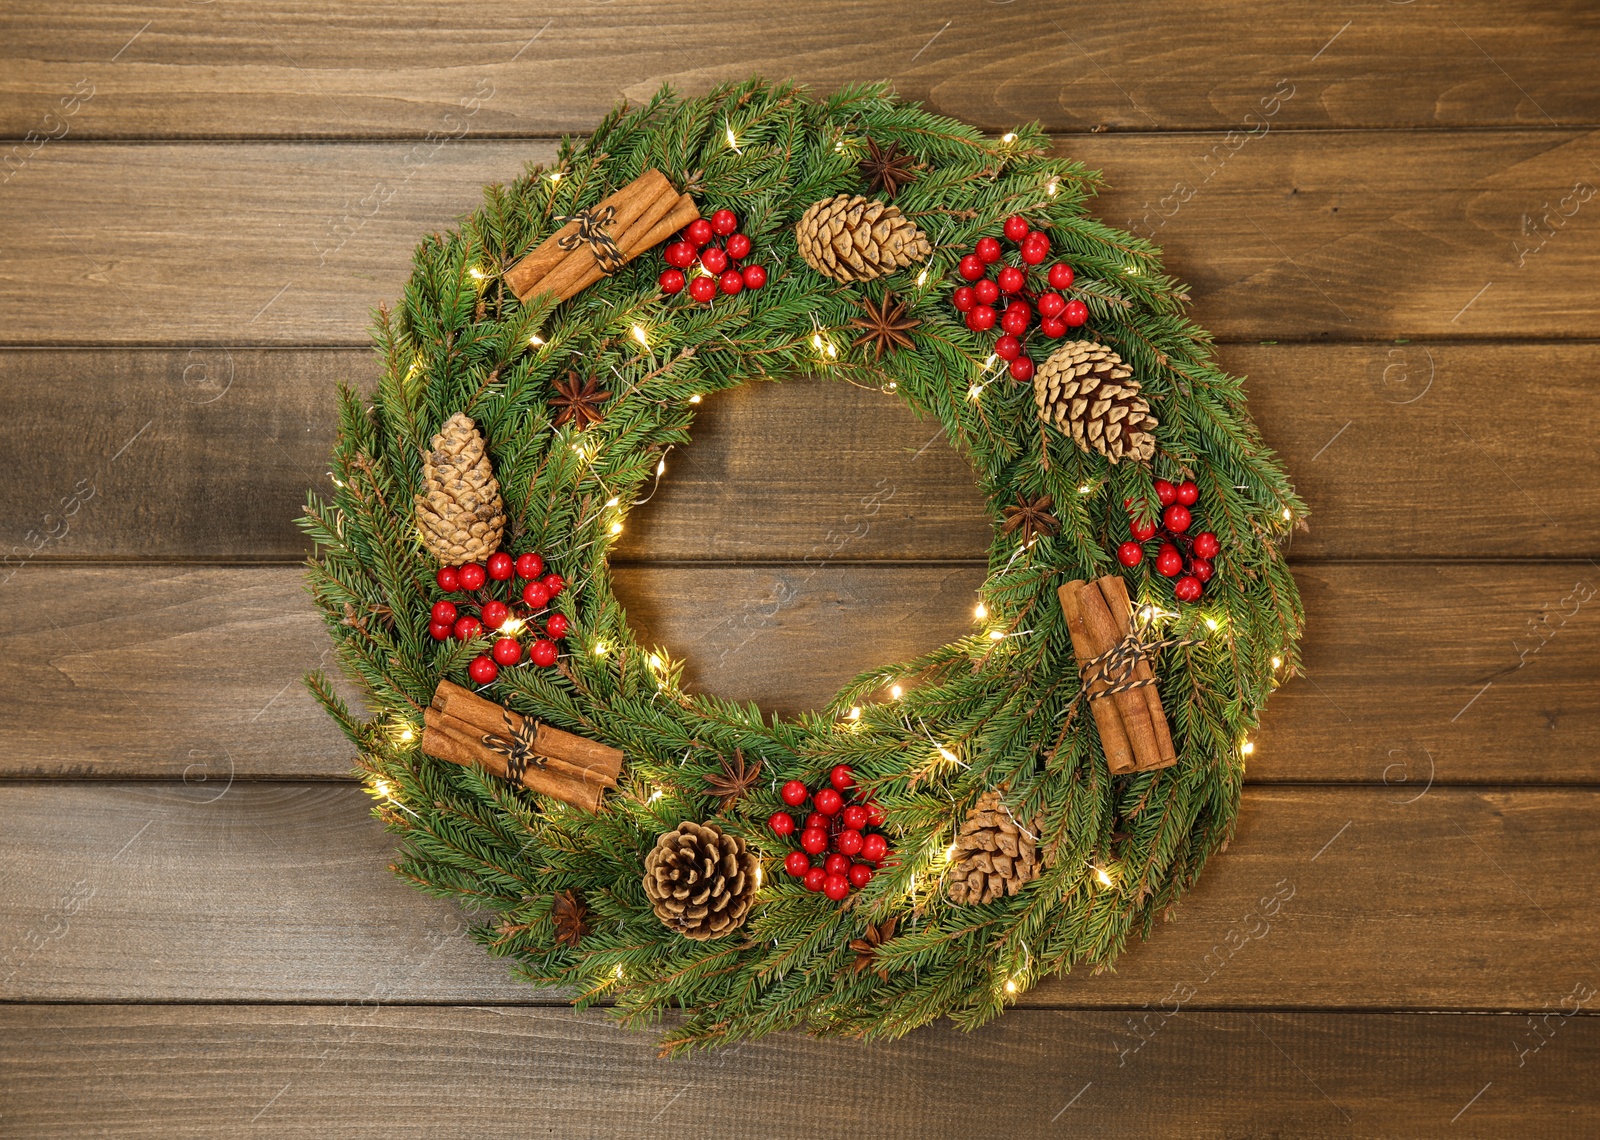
(734,780)
(887,326)
(866,948)
(570,916)
(1033,519)
(888,168)
(579,399)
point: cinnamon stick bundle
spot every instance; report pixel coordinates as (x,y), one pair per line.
(644,213)
(1132,724)
(569,767)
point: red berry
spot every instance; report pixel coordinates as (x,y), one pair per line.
(817,819)
(1022,369)
(1206,544)
(1166,492)
(1053,327)
(556,626)
(714,259)
(1187,589)
(671,281)
(555,583)
(1169,563)
(724,221)
(794,793)
(731,282)
(467,627)
(507,651)
(842,777)
(964,298)
(739,246)
(1060,275)
(1142,531)
(702,289)
(1130,554)
(1051,304)
(796,862)
(439,630)
(874,847)
(443,611)
(1202,569)
(1016,318)
(782,823)
(1017,227)
(971,267)
(446,577)
(874,814)
(536,594)
(500,566)
(989,250)
(836,864)
(529,566)
(849,842)
(1008,347)
(981,318)
(495,614)
(855,817)
(1188,493)
(471,576)
(836,887)
(860,875)
(1036,248)
(829,801)
(1177,518)
(754,276)
(814,840)
(698,231)
(1012,279)
(986,291)
(542,653)
(815,877)
(1075,314)
(679,255)
(483,670)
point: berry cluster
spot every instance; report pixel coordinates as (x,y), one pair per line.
(698,244)
(450,619)
(844,835)
(1178,554)
(981,299)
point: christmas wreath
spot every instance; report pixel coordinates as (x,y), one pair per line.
(947,830)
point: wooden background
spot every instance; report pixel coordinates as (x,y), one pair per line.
(203,201)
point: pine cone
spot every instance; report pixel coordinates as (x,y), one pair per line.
(851,238)
(701,882)
(1087,391)
(460,515)
(995,856)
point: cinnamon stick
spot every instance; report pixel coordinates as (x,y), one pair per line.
(1115,592)
(637,197)
(482,715)
(450,744)
(639,239)
(1130,703)
(526,274)
(557,767)
(1113,739)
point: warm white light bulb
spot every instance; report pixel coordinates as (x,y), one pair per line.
(655,661)
(616,528)
(894,692)
(535,341)
(1287,514)
(947,755)
(1011,986)
(599,649)
(981,611)
(408,734)
(695,399)
(1102,876)
(855,713)
(661,468)
(1277,662)
(996,635)
(1211,624)
(1084,489)
(638,335)
(1009,137)
(1246,748)
(974,392)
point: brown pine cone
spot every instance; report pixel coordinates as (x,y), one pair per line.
(851,238)
(701,881)
(1088,392)
(460,513)
(994,856)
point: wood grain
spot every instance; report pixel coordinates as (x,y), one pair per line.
(1416,674)
(279,892)
(1412,450)
(1291,235)
(343,70)
(385,1071)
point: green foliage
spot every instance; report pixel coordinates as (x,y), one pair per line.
(1007,710)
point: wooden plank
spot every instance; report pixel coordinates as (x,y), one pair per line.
(340,70)
(206,453)
(382,1071)
(1349,898)
(1295,235)
(1416,674)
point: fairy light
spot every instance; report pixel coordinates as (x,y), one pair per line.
(695,399)
(1277,662)
(618,971)
(1011,985)
(1052,188)
(616,528)
(555,175)
(1287,514)
(997,635)
(974,392)
(612,501)
(661,468)
(1102,876)
(535,341)
(980,611)
(337,482)
(408,734)
(638,335)
(1211,624)
(987,364)
(655,661)
(947,755)
(511,627)
(895,692)
(475,273)
(855,712)
(1085,489)
(383,788)
(656,795)
(922,278)
(599,649)
(1009,137)
(733,142)
(1247,747)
